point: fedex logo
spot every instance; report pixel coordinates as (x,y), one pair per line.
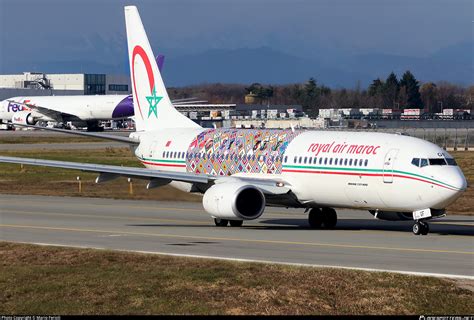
(15,107)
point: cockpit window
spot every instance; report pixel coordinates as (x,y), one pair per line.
(451,162)
(437,162)
(423,162)
(415,162)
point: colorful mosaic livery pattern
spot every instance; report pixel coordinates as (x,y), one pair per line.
(228,151)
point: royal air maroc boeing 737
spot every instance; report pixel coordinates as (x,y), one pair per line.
(240,172)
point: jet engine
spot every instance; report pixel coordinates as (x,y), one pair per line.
(234,201)
(23,117)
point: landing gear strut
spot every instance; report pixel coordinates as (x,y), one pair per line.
(325,217)
(421,227)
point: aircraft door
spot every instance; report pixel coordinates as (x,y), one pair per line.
(153,152)
(388,165)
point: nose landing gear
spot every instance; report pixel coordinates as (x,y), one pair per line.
(421,227)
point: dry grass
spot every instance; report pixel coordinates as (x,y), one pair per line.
(465,204)
(52,181)
(52,280)
(46,139)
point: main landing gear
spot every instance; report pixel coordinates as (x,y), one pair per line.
(223,222)
(421,227)
(324,217)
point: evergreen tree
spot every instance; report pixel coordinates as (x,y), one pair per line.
(376,88)
(412,89)
(391,90)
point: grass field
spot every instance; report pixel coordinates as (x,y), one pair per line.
(52,280)
(46,139)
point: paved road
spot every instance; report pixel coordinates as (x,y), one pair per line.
(281,235)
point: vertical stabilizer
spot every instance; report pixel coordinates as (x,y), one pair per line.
(152,106)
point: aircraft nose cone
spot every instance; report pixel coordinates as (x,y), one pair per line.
(458,180)
(455,186)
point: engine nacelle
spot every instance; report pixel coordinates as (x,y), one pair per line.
(234,201)
(23,117)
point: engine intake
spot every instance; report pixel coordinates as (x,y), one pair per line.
(234,201)
(23,117)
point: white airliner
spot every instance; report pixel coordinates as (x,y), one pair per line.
(240,171)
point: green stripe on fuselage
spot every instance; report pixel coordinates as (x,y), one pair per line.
(368,170)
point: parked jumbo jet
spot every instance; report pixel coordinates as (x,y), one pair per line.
(240,172)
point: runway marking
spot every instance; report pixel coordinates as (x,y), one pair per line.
(277,213)
(161,235)
(182,222)
(465,224)
(245,260)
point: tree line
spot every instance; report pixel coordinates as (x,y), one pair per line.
(404,93)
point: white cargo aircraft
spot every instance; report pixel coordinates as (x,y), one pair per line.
(80,110)
(240,171)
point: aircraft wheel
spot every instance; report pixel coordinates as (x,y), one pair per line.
(315,218)
(417,228)
(236,223)
(221,222)
(329,218)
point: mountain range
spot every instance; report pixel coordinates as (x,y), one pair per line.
(266,65)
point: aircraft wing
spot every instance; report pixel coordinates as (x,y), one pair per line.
(130,172)
(110,172)
(50,113)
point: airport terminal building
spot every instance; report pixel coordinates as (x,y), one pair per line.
(42,84)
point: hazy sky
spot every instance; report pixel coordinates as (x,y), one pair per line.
(84,28)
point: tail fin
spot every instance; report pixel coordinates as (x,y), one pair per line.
(152,106)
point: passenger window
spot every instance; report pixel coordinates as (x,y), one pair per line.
(360,163)
(300,159)
(423,162)
(315,160)
(325,161)
(163,154)
(286,159)
(415,162)
(309,160)
(305,159)
(350,162)
(366,162)
(320,160)
(330,161)
(345,162)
